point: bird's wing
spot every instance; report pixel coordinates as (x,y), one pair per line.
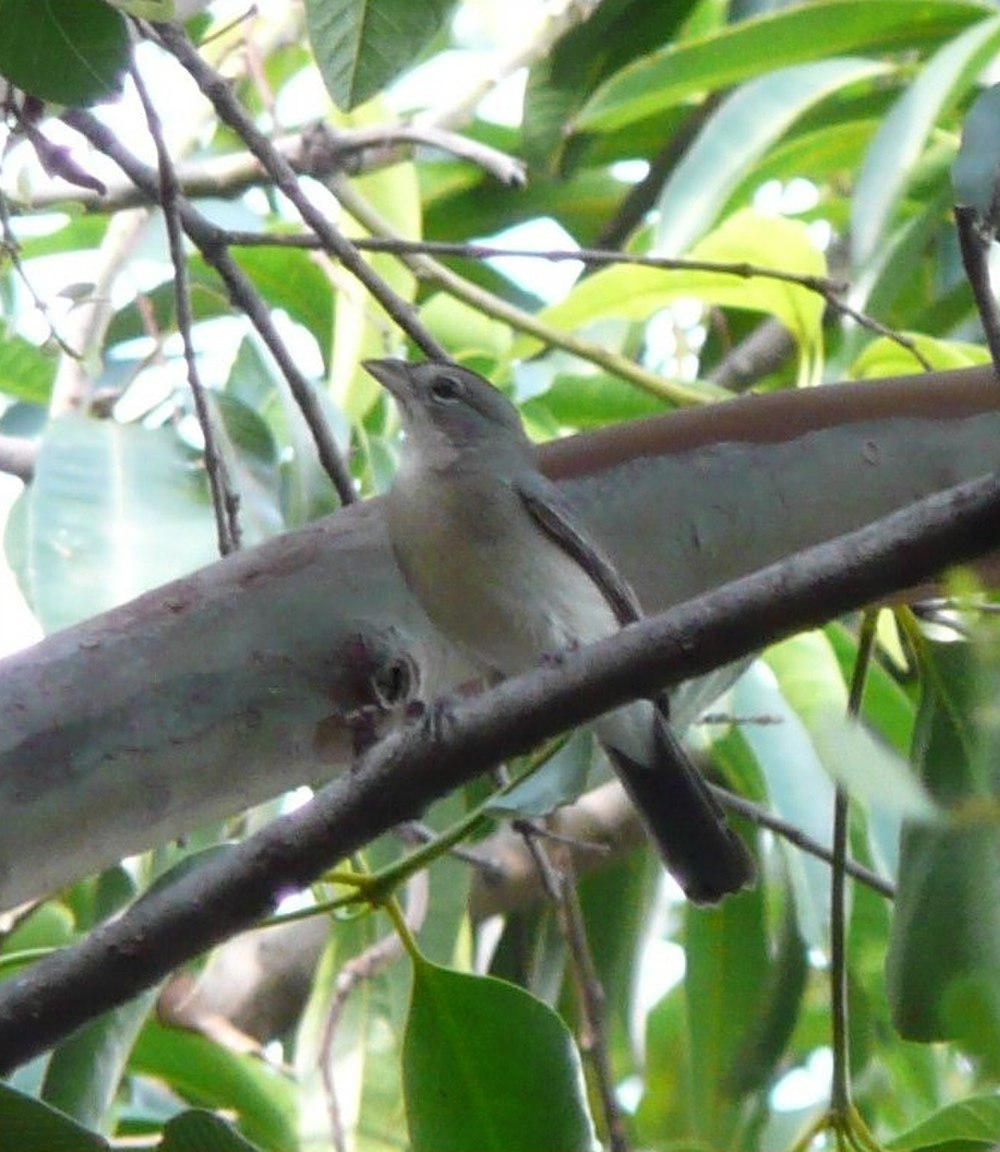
(552,513)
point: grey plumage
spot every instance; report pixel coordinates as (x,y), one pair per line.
(500,565)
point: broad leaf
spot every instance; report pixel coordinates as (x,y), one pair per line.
(200,1131)
(31,1126)
(487,1066)
(739,51)
(26,371)
(901,137)
(738,134)
(768,242)
(113,511)
(361,45)
(946,927)
(67,51)
(967,1124)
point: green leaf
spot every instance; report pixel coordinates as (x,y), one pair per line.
(635,293)
(113,511)
(560,781)
(264,1100)
(725,980)
(739,51)
(946,924)
(361,45)
(84,1072)
(737,135)
(200,1131)
(798,788)
(487,1066)
(146,9)
(885,357)
(897,146)
(583,402)
(616,33)
(26,371)
(977,167)
(969,1123)
(31,1126)
(68,51)
(306,490)
(359,325)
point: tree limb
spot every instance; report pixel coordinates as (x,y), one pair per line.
(406,771)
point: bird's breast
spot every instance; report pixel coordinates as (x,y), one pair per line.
(486,574)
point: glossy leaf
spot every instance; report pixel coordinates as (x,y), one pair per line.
(113,511)
(942,82)
(206,1073)
(946,926)
(67,51)
(977,167)
(200,1131)
(725,983)
(26,371)
(798,790)
(885,357)
(487,1066)
(84,1073)
(792,36)
(967,1124)
(616,33)
(361,45)
(737,135)
(769,242)
(31,1126)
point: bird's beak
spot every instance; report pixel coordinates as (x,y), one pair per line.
(393,375)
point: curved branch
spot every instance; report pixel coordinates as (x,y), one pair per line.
(409,769)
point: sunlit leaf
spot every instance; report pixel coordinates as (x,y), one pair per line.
(113,511)
(966,1124)
(734,139)
(941,83)
(739,51)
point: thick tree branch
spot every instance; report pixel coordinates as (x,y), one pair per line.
(403,774)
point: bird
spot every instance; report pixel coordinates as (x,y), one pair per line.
(500,564)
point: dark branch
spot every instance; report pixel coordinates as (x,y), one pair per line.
(211,242)
(398,778)
(231,112)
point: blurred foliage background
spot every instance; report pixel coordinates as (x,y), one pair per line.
(815,138)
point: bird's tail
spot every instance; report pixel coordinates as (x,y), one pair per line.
(699,849)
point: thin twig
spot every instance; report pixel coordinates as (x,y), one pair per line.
(595,1041)
(211,242)
(794,835)
(231,112)
(559,885)
(840,1089)
(10,248)
(357,971)
(829,289)
(324,150)
(426,268)
(225,501)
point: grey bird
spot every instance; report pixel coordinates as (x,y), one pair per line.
(496,557)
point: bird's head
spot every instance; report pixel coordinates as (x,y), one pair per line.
(449,411)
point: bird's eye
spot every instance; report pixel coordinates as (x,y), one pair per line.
(446,389)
